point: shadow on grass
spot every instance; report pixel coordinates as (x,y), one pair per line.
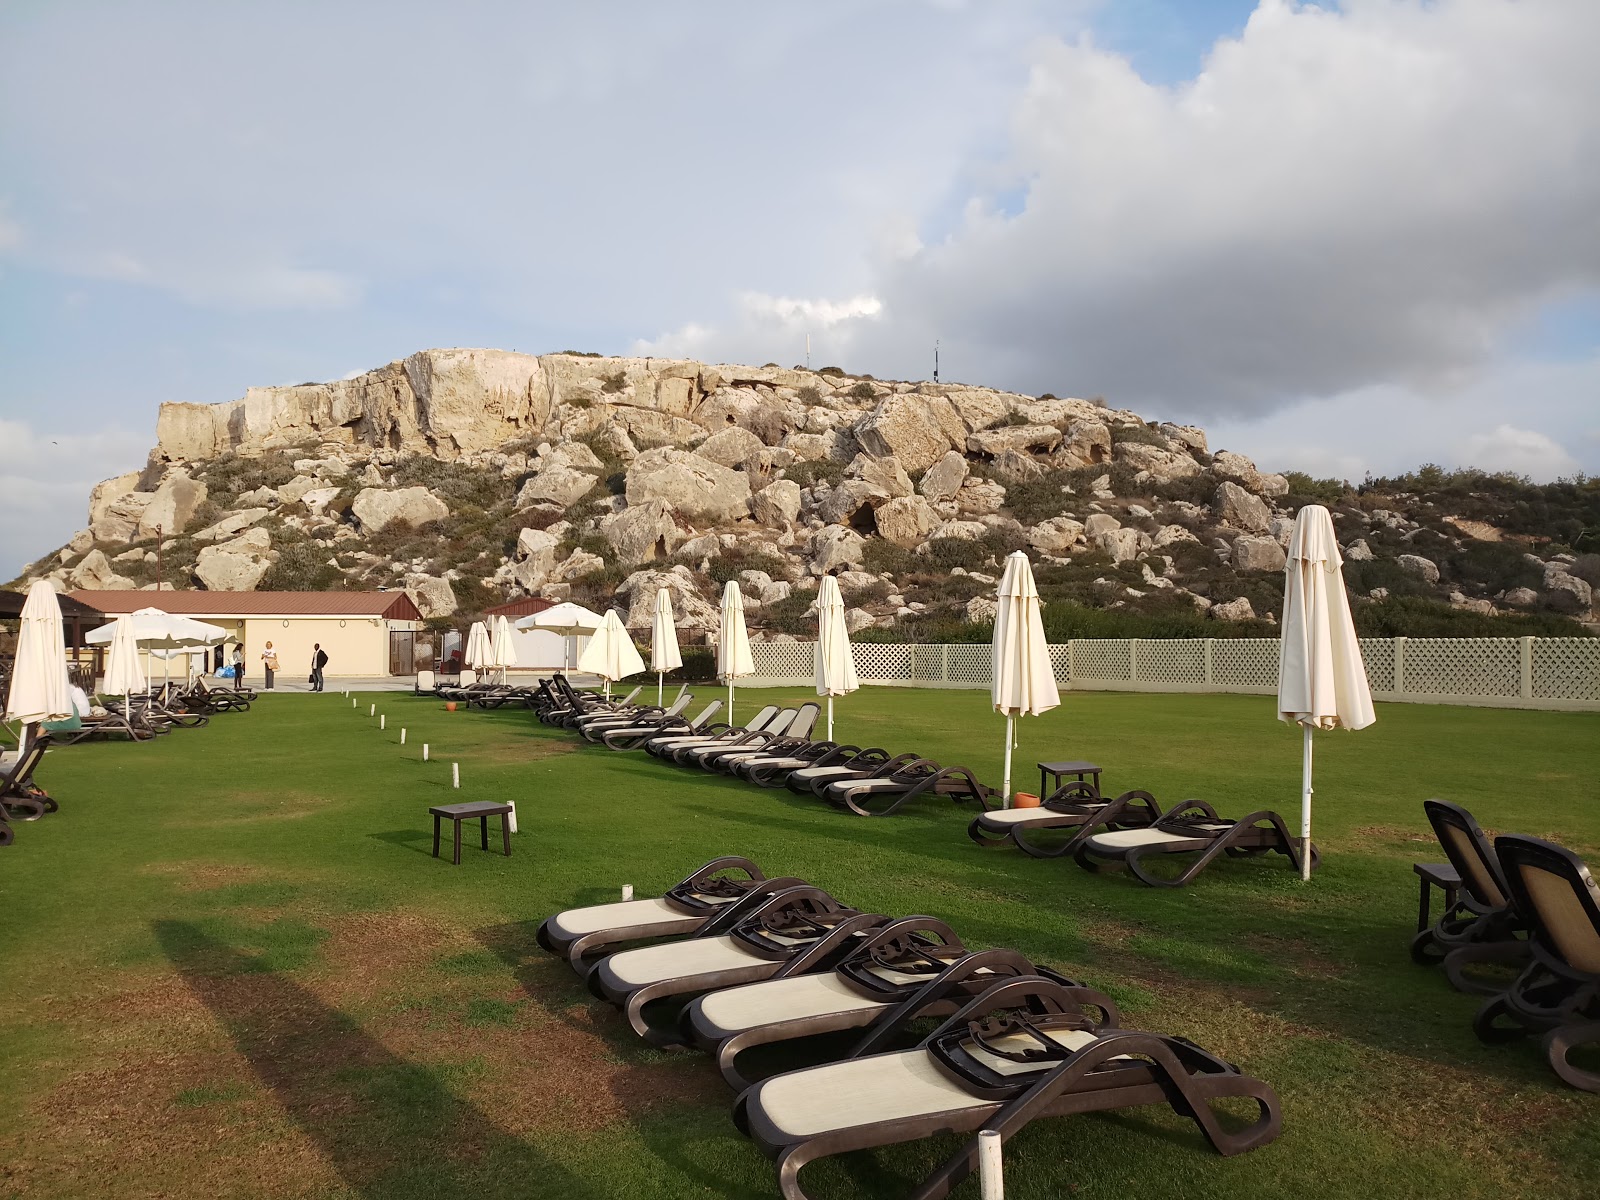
(420,840)
(391,1128)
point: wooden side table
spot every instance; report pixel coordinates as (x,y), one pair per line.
(1435,875)
(1078,770)
(481,809)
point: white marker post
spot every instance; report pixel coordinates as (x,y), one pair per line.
(991,1175)
(372,710)
(511,817)
(627,891)
(383,721)
(352,701)
(455,775)
(402,735)
(424,751)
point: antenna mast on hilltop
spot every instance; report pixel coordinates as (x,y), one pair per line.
(808,352)
(936,360)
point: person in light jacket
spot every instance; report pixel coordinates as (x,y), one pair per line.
(269,663)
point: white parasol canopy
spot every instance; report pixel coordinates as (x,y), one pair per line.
(1024,680)
(611,653)
(478,648)
(124,676)
(568,619)
(502,646)
(664,655)
(836,663)
(39,687)
(157,630)
(1322,679)
(733,643)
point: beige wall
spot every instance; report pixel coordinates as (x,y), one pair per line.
(355,645)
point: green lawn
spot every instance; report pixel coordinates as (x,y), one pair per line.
(229,967)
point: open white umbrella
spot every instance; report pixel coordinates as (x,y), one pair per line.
(124,676)
(733,643)
(836,664)
(157,630)
(1024,681)
(611,653)
(664,655)
(1322,679)
(502,647)
(568,619)
(39,690)
(476,654)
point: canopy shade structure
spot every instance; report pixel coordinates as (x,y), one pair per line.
(664,654)
(1322,678)
(1024,680)
(124,676)
(39,688)
(568,619)
(157,630)
(836,663)
(734,659)
(611,653)
(476,652)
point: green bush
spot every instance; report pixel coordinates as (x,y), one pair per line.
(1303,490)
(833,372)
(1491,566)
(455,483)
(808,473)
(864,391)
(727,565)
(302,567)
(809,395)
(883,557)
(1420,616)
(945,553)
(1141,435)
(796,614)
(613,382)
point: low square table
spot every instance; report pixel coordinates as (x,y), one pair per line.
(483,810)
(1435,875)
(1078,770)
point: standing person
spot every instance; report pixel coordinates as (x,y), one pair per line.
(319,660)
(238,666)
(269,663)
(216,661)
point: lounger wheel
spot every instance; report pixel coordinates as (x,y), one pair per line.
(1425,949)
(1486,1023)
(6,835)
(543,938)
(1560,1043)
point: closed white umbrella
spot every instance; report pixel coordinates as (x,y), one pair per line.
(1322,679)
(733,643)
(836,664)
(502,647)
(568,619)
(124,676)
(1024,681)
(476,655)
(664,655)
(611,653)
(39,689)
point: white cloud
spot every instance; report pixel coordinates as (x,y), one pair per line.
(1524,451)
(771,328)
(10,232)
(45,480)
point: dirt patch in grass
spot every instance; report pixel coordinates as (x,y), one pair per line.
(1303,958)
(245,808)
(203,876)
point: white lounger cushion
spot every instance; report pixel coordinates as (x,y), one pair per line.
(696,956)
(880,1087)
(1132,839)
(882,784)
(812,774)
(576,922)
(1027,816)
(756,1004)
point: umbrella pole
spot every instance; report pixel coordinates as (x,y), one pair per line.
(1305,807)
(661,688)
(1005,795)
(730,702)
(830,718)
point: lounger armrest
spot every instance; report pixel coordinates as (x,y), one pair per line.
(832,945)
(884,1031)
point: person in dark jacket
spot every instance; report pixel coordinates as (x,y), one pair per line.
(319,660)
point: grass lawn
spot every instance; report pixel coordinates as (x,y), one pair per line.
(229,967)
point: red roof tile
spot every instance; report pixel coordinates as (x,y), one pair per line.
(396,606)
(525,607)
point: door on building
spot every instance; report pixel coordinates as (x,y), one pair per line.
(402,652)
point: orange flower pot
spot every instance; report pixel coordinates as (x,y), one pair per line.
(1025,800)
(450,706)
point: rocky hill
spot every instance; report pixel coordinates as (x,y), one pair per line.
(473,476)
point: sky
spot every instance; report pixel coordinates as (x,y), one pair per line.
(1345,238)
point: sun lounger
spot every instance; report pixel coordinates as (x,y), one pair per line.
(685,908)
(885,794)
(102,723)
(1192,827)
(596,727)
(730,739)
(1025,1049)
(772,770)
(905,971)
(20,798)
(665,745)
(801,927)
(1482,915)
(1558,992)
(796,733)
(634,737)
(815,780)
(1077,807)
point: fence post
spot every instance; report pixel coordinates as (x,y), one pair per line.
(1525,688)
(1399,665)
(944,663)
(1133,660)
(1210,643)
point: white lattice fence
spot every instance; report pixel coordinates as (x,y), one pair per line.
(1102,661)
(1061,660)
(882,661)
(1486,667)
(971,664)
(1378,654)
(1244,664)
(784,660)
(1179,662)
(1566,669)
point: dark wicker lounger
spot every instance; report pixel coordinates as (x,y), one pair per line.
(1075,806)
(772,771)
(1024,1049)
(902,972)
(687,907)
(884,795)
(1192,827)
(797,733)
(815,781)
(20,798)
(801,927)
(635,737)
(1558,992)
(1482,916)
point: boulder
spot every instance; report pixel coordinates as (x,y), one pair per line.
(237,565)
(614,438)
(1123,545)
(1239,509)
(1228,465)
(944,479)
(81,542)
(1058,535)
(981,610)
(857,619)
(105,493)
(536,557)
(1086,443)
(832,446)
(323,501)
(579,563)
(1041,438)
(979,408)
(1233,610)
(266,497)
(775,591)
(1097,523)
(1521,597)
(690,485)
(963,530)
(884,474)
(376,509)
(1169,535)
(1016,466)
(433,596)
(641,533)
(574,456)
(1566,593)
(1162,464)
(1424,569)
(978,497)
(230,525)
(1358,551)
(731,446)
(556,484)
(835,546)
(691,612)
(906,521)
(96,574)
(777,505)
(1191,437)
(1251,553)
(916,430)
(297,488)
(840,504)
(118,518)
